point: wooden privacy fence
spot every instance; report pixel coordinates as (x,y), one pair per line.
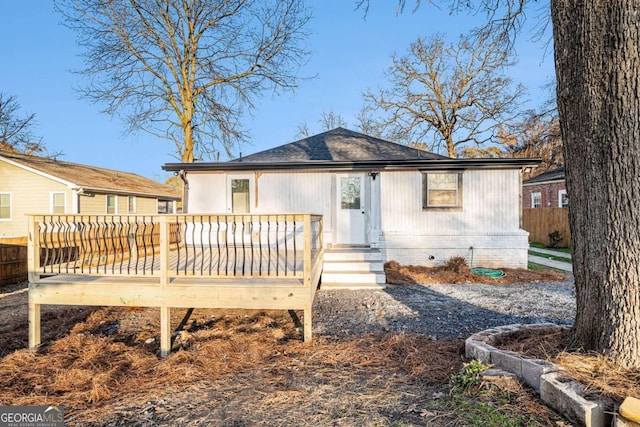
(13,263)
(540,222)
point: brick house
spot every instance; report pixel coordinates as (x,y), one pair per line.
(547,190)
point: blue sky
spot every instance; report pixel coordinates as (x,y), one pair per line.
(348,54)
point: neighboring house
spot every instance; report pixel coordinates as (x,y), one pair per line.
(547,190)
(412,206)
(36,185)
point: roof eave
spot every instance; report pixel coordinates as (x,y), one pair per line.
(441,164)
(120,192)
(546,181)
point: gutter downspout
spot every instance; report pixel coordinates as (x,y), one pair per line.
(185,190)
(75,199)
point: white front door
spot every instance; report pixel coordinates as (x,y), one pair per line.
(351,209)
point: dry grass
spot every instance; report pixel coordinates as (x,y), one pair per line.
(598,374)
(102,365)
(455,272)
(88,372)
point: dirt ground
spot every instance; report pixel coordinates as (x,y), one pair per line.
(241,368)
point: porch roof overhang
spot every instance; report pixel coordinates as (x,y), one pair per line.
(323,165)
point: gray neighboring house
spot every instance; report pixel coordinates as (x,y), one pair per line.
(411,206)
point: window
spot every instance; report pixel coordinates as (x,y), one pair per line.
(112,204)
(442,190)
(131,204)
(536,200)
(563,199)
(164,206)
(240,196)
(58,203)
(5,206)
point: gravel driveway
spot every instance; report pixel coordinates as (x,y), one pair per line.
(441,311)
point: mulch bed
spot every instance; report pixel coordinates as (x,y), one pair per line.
(100,364)
(457,271)
(596,372)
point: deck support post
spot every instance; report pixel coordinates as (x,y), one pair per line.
(308,325)
(165,331)
(34,326)
(33,262)
(306,275)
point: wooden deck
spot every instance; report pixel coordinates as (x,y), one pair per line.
(281,275)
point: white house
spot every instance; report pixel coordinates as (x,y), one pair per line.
(406,204)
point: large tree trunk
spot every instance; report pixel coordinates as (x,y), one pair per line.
(597,59)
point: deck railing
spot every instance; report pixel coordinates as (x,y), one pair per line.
(175,245)
(174,261)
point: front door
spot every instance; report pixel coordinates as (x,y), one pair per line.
(351,209)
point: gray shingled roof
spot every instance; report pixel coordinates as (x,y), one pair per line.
(550,175)
(91,177)
(339,145)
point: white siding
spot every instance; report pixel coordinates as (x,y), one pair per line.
(295,193)
(488,222)
(272,192)
(490,203)
(207,193)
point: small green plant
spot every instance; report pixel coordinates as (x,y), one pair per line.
(554,239)
(469,375)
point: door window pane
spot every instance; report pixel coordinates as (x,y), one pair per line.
(240,195)
(350,193)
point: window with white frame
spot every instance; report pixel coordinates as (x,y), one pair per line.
(58,203)
(563,199)
(5,206)
(536,200)
(112,204)
(442,190)
(131,204)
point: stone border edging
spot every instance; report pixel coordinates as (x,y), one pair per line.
(562,393)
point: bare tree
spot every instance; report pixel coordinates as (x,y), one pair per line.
(537,135)
(449,96)
(328,120)
(597,49)
(186,70)
(331,120)
(367,124)
(302,130)
(16,128)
